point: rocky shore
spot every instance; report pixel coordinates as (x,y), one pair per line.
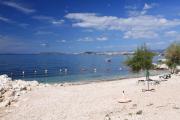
(10,89)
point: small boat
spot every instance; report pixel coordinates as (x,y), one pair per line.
(83,69)
(108,60)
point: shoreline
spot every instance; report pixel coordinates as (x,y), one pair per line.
(111,78)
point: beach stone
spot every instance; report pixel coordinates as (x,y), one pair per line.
(1,99)
(2,92)
(5,103)
(34,83)
(17,93)
(11,90)
(139,112)
(1,88)
(107,117)
(7,86)
(60,84)
(9,93)
(28,88)
(4,79)
(47,85)
(15,98)
(23,92)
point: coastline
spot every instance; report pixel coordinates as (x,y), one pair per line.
(104,79)
(97,100)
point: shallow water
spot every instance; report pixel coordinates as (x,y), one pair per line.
(52,68)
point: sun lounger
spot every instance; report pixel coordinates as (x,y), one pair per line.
(166,76)
(145,90)
(124,100)
(153,82)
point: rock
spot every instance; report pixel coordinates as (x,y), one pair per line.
(130,114)
(1,88)
(15,98)
(11,90)
(5,103)
(17,93)
(139,112)
(23,92)
(28,88)
(4,79)
(9,93)
(150,104)
(47,85)
(107,117)
(1,99)
(175,107)
(34,83)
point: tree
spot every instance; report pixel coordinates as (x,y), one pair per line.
(172,55)
(141,60)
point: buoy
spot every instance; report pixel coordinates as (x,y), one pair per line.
(23,73)
(46,71)
(95,69)
(65,70)
(83,69)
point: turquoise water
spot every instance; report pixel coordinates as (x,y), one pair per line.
(66,68)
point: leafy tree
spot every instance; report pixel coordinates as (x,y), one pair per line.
(141,60)
(172,55)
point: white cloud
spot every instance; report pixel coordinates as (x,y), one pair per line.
(140,34)
(90,39)
(44,44)
(18,7)
(86,39)
(102,38)
(49,19)
(148,25)
(61,41)
(147,6)
(171,33)
(136,11)
(57,22)
(7,20)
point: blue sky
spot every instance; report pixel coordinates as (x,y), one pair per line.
(32,26)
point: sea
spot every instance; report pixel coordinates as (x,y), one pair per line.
(58,68)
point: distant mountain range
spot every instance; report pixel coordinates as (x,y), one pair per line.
(159,51)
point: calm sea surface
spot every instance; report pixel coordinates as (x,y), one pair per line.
(65,68)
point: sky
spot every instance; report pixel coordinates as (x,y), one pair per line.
(33,26)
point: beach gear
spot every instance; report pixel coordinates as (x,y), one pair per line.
(124,99)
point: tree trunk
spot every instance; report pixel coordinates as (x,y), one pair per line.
(147,77)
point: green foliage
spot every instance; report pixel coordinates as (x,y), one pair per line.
(141,60)
(173,55)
